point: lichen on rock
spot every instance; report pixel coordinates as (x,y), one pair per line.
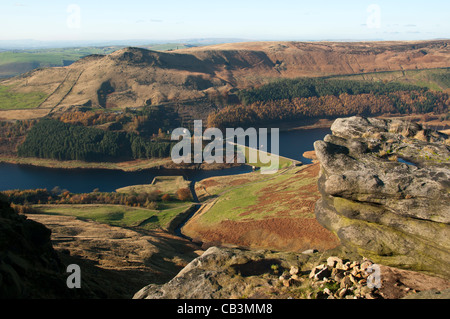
(385,187)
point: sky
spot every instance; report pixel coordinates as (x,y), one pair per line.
(165,20)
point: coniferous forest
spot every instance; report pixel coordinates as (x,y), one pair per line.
(96,136)
(62,141)
(310,87)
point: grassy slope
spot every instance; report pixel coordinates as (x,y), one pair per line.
(122,216)
(10,100)
(238,201)
(215,186)
(261,211)
(164,184)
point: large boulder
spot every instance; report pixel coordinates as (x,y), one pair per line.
(224,273)
(385,187)
(30,268)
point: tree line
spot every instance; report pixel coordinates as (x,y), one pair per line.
(288,89)
(53,139)
(12,134)
(329,106)
(148,121)
(23,199)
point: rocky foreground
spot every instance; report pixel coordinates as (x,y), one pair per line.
(385,188)
(36,249)
(29,266)
(232,273)
(385,194)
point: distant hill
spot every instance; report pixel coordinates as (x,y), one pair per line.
(15,62)
(135,77)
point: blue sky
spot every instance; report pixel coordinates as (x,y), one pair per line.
(78,20)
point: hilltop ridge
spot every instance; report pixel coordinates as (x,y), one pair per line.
(136,77)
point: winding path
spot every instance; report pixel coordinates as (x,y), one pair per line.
(203,207)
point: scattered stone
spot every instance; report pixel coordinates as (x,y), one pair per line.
(354,264)
(316,270)
(309,251)
(204,278)
(335,262)
(351,276)
(324,273)
(296,278)
(337,274)
(290,278)
(294,270)
(288,282)
(345,282)
(342,292)
(365,265)
(353,279)
(356,273)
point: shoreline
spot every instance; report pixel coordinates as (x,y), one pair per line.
(127,166)
(427,120)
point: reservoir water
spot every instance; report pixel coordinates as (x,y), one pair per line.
(292,145)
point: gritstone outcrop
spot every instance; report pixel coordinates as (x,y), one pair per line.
(385,187)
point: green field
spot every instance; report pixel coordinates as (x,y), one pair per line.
(253,199)
(51,57)
(121,216)
(164,184)
(16,62)
(10,100)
